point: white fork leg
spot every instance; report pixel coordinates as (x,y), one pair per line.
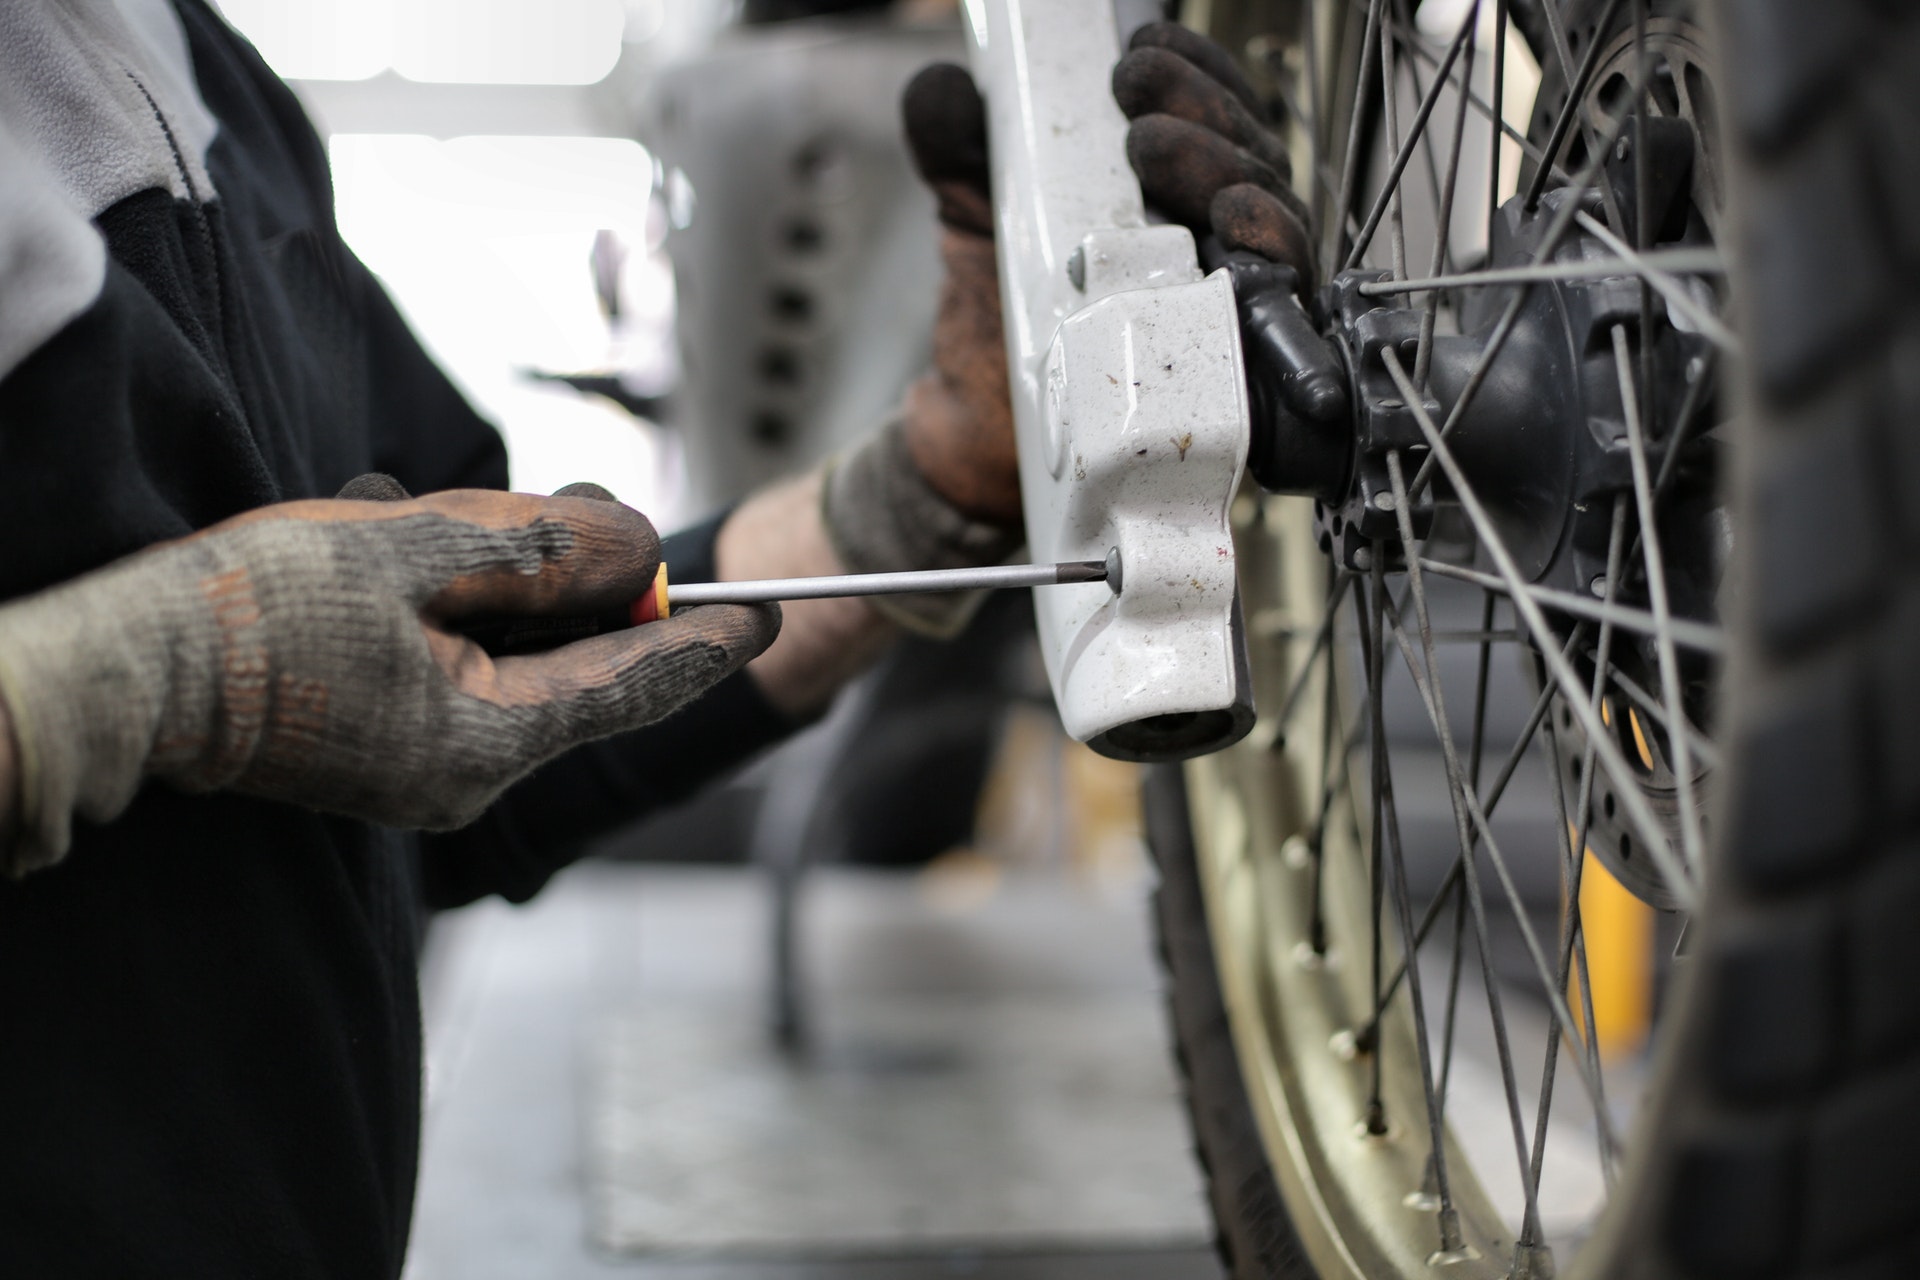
(1128,395)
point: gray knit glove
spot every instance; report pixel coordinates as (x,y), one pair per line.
(883,515)
(939,488)
(302,653)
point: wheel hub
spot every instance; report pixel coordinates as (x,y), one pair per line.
(1542,441)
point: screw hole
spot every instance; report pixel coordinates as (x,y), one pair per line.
(790,304)
(803,235)
(770,428)
(780,366)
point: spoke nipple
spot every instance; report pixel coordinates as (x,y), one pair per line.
(1309,959)
(1363,559)
(1343,1045)
(1295,854)
(1454,1248)
(1383,500)
(1376,1123)
(1599,586)
(1533,1262)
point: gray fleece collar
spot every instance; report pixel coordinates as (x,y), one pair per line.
(97,103)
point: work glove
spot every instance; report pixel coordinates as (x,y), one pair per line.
(1204,156)
(308,653)
(939,487)
(1205,159)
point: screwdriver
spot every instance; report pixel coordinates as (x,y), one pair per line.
(663,598)
(525,635)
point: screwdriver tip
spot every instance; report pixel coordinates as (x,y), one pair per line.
(1107,571)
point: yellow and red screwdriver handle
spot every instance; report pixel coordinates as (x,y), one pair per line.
(654,604)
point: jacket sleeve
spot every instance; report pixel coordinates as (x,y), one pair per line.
(549,819)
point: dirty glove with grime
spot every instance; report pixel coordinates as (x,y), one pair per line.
(1201,148)
(939,487)
(305,652)
(1207,160)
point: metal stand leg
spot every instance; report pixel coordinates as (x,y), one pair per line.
(785,842)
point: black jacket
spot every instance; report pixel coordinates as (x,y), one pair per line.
(209,1030)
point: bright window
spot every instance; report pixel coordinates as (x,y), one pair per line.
(446,41)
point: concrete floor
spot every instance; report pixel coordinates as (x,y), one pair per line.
(519,1001)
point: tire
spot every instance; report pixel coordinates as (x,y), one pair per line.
(1781,1135)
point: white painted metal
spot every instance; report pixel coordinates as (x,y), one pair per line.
(1127,386)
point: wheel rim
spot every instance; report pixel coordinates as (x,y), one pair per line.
(1302,862)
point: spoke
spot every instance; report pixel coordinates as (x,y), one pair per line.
(1412,43)
(1374,649)
(1683,420)
(1669,286)
(1503,329)
(1329,766)
(1479,819)
(1321,644)
(1572,869)
(1641,239)
(1482,638)
(1477,745)
(1700,743)
(1478,741)
(1310,48)
(1459,790)
(1497,118)
(1576,956)
(1564,54)
(1399,166)
(1449,1217)
(1524,604)
(1656,571)
(1668,261)
(1515,755)
(1390,91)
(1443,223)
(1426,138)
(1452,1021)
(1693,635)
(1571,110)
(1350,162)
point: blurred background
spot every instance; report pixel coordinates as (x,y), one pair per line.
(885,1005)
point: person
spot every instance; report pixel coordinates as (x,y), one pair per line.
(245,743)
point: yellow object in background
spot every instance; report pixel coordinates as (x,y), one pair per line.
(1619,933)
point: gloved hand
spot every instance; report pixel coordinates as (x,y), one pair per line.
(1205,159)
(1202,153)
(303,653)
(940,486)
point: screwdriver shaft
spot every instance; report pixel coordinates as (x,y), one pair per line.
(683,595)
